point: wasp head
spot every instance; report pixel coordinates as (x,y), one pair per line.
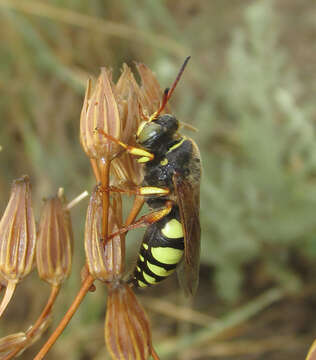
(156,135)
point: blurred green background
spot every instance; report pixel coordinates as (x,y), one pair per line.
(249,89)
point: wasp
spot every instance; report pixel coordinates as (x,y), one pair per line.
(171,186)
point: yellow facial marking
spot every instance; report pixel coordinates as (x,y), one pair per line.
(173,229)
(152,190)
(158,270)
(145,246)
(141,284)
(164,162)
(177,145)
(149,278)
(141,127)
(141,258)
(167,255)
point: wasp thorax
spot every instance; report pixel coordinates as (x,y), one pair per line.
(157,134)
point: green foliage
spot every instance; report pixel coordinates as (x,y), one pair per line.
(260,202)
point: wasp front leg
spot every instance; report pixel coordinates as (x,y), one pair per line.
(145,155)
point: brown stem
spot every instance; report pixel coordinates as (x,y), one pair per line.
(46,311)
(65,320)
(95,169)
(154,354)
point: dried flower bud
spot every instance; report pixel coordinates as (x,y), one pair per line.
(17,238)
(17,233)
(55,242)
(99,111)
(104,261)
(127,330)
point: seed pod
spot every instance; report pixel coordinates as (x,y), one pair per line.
(99,111)
(127,330)
(55,242)
(17,238)
(104,261)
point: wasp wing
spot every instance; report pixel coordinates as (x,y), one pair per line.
(188,198)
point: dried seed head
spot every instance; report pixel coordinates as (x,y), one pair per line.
(17,233)
(99,111)
(127,330)
(104,261)
(55,242)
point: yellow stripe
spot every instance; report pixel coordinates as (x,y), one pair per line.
(138,269)
(176,145)
(141,284)
(173,229)
(167,255)
(141,258)
(158,270)
(164,162)
(149,278)
(145,246)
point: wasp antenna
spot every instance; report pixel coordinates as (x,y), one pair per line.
(168,92)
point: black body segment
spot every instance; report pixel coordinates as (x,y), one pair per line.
(176,163)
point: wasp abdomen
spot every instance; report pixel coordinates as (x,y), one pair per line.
(161,250)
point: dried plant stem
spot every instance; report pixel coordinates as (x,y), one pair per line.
(222,326)
(154,354)
(9,291)
(46,311)
(66,319)
(77,199)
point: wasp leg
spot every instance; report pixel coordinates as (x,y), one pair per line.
(142,190)
(145,155)
(145,220)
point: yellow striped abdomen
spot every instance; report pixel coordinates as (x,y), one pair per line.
(161,251)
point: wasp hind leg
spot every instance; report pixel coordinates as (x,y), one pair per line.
(145,220)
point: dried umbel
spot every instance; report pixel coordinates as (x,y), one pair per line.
(55,242)
(17,238)
(127,330)
(104,260)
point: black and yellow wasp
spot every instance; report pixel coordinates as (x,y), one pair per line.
(172,171)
